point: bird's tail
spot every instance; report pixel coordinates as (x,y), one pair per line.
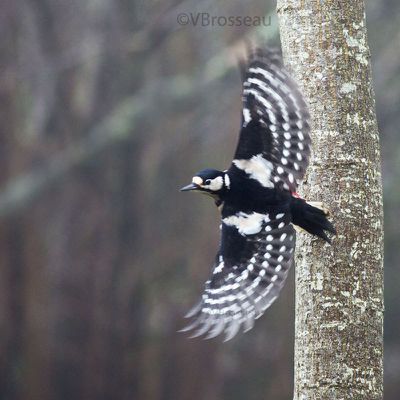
(311,217)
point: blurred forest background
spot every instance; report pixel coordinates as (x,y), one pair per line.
(107,109)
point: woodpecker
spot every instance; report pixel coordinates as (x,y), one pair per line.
(258,201)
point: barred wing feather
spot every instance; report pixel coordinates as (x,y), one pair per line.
(275,123)
(250,270)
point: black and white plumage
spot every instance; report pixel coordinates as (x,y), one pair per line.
(274,106)
(258,201)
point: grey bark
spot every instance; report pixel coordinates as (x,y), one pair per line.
(339,288)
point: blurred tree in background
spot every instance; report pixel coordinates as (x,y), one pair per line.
(107,107)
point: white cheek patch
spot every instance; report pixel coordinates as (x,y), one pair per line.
(216,184)
(197,180)
(258,168)
(246,224)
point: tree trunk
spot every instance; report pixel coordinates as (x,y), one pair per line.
(339,288)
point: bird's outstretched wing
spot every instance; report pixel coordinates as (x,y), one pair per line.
(250,269)
(274,142)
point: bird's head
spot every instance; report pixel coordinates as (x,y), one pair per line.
(211,182)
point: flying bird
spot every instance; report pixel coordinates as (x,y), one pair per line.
(258,201)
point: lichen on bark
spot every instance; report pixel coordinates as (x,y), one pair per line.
(339,288)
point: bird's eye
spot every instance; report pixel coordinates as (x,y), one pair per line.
(208,181)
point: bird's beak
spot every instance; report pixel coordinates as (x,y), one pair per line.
(192,186)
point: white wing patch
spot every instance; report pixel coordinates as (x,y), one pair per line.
(246,224)
(258,168)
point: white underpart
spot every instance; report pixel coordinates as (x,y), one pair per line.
(257,168)
(246,224)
